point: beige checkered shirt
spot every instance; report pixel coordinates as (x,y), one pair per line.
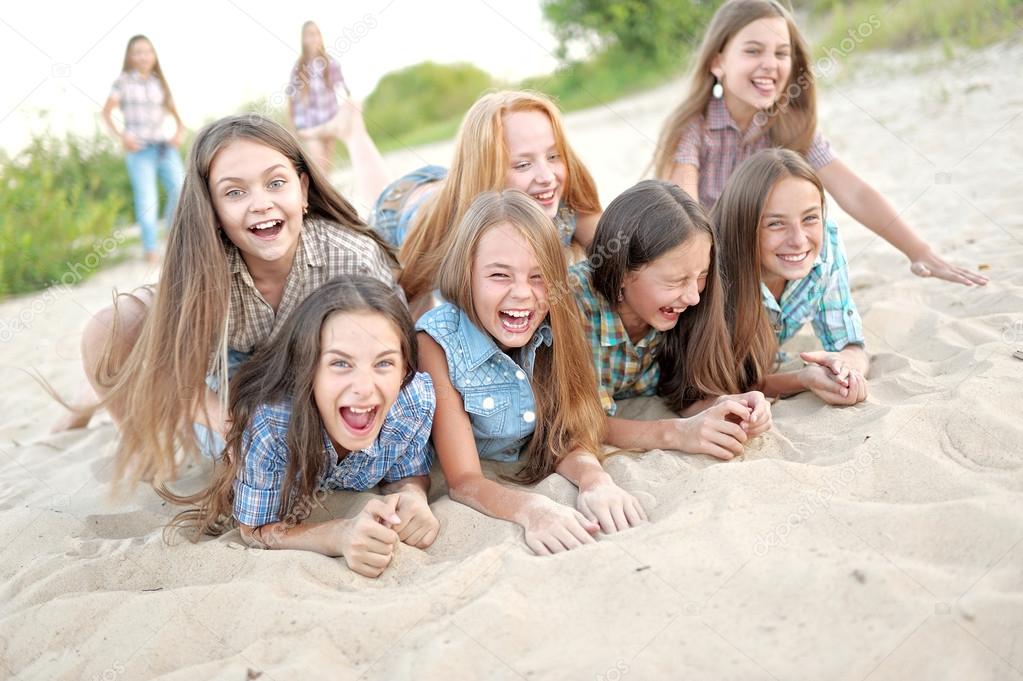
(325,250)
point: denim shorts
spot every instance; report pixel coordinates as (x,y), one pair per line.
(211,443)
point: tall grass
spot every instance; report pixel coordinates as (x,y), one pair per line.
(60,201)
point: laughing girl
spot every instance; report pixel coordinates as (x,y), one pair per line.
(513,377)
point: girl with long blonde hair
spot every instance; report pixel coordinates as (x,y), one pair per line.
(258,229)
(513,377)
(753,87)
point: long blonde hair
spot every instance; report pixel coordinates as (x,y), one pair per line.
(568,412)
(736,218)
(791,121)
(126,66)
(159,387)
(481,164)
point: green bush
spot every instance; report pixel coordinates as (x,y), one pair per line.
(420,96)
(60,204)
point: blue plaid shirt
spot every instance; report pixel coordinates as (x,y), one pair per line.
(821,297)
(400,451)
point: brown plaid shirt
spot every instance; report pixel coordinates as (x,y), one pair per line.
(715,145)
(325,250)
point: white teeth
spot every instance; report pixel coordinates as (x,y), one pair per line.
(356,410)
(766,82)
(516,313)
(546,196)
(792,258)
(265,225)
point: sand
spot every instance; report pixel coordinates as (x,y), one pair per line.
(881,541)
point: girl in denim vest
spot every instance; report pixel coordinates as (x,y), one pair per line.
(513,378)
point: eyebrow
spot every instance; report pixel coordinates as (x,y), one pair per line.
(780,215)
(760,44)
(238,179)
(344,355)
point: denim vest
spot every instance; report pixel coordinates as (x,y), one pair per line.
(392,214)
(496,391)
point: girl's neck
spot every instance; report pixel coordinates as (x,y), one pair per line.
(635,327)
(740,112)
(775,284)
(270,278)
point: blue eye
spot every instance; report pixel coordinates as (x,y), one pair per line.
(340,364)
(277,184)
(385,364)
(234,193)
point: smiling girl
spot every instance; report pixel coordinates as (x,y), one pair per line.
(786,266)
(333,402)
(144,98)
(651,302)
(513,378)
(507,140)
(257,230)
(753,88)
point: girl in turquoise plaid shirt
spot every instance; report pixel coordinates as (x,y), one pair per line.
(785,266)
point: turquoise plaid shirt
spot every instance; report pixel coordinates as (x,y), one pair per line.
(822,297)
(401,450)
(624,369)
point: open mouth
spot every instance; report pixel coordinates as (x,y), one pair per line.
(793,258)
(672,313)
(545,197)
(515,321)
(268,229)
(764,86)
(359,420)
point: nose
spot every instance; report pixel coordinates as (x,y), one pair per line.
(362,383)
(521,289)
(260,201)
(795,237)
(544,173)
(691,294)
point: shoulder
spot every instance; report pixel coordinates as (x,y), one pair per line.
(579,279)
(441,322)
(338,237)
(417,401)
(265,438)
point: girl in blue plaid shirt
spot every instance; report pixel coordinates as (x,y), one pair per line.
(785,266)
(334,402)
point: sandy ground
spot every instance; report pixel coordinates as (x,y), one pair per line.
(881,541)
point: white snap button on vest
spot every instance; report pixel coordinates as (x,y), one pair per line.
(520,375)
(488,402)
(528,416)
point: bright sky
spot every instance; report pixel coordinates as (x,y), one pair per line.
(61,57)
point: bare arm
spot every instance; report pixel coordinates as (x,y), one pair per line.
(686,176)
(585,228)
(867,206)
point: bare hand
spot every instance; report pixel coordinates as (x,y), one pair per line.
(130,143)
(931,265)
(715,430)
(418,526)
(846,386)
(610,506)
(552,528)
(760,418)
(366,541)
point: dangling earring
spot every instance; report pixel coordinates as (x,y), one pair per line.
(621,295)
(305,209)
(718,90)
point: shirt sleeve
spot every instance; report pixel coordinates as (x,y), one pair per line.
(836,320)
(258,485)
(117,89)
(819,154)
(690,143)
(336,77)
(414,411)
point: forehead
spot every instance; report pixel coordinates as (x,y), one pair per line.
(770,31)
(359,333)
(792,195)
(692,255)
(243,158)
(527,130)
(503,243)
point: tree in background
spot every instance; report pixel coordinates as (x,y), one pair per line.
(660,32)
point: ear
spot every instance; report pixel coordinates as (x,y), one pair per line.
(303,179)
(715,66)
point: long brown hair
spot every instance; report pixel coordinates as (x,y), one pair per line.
(284,370)
(481,164)
(737,216)
(791,121)
(126,66)
(568,412)
(159,387)
(306,64)
(639,226)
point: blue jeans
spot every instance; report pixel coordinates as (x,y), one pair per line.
(211,443)
(144,166)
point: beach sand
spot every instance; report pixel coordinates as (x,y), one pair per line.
(881,541)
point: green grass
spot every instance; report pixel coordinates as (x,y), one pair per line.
(873,24)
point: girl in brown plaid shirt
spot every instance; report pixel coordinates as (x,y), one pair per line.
(258,228)
(753,87)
